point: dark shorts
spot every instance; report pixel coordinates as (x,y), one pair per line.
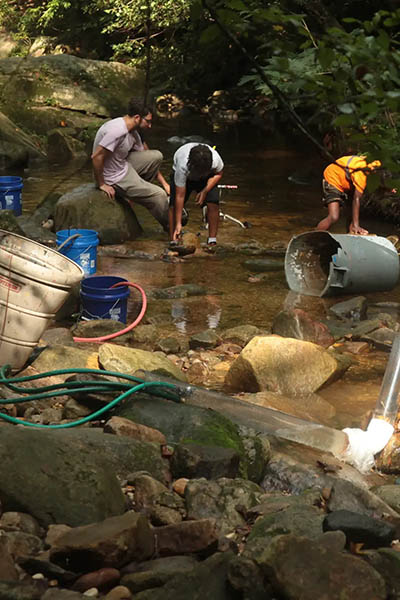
(332,194)
(194,186)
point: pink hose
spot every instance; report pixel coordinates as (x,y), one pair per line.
(104,338)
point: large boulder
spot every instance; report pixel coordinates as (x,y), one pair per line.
(56,478)
(284,365)
(16,147)
(87,207)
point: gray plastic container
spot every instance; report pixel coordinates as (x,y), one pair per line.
(319,263)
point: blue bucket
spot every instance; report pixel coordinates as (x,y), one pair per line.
(101,301)
(82,249)
(10,194)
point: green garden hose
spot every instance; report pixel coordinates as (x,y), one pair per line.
(156,388)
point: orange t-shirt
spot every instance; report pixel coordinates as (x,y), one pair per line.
(336,175)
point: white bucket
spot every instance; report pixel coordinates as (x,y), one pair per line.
(35,281)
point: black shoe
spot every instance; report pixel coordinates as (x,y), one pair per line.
(185,217)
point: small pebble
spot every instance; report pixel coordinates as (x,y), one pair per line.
(91,592)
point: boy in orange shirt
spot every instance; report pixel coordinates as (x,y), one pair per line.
(345,177)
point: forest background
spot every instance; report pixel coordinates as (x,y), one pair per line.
(330,69)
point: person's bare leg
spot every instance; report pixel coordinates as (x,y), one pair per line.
(333,216)
(213,219)
(171,219)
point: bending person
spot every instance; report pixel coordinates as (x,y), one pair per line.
(113,142)
(196,167)
(344,181)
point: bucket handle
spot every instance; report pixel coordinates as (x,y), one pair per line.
(65,242)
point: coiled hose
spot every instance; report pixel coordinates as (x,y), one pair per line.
(134,384)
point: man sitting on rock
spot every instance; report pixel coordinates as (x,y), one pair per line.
(196,167)
(344,180)
(112,166)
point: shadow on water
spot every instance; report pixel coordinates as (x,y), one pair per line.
(279,194)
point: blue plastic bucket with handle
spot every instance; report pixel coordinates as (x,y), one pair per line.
(102,301)
(10,194)
(80,245)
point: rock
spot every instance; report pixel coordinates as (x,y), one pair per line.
(129,360)
(22,544)
(16,147)
(207,580)
(386,562)
(109,543)
(70,357)
(17,521)
(298,324)
(179,485)
(86,207)
(372,533)
(221,499)
(187,537)
(388,460)
(381,338)
(171,345)
(50,465)
(388,493)
(158,572)
(204,339)
(9,221)
(120,592)
(147,489)
(240,335)
(62,147)
(48,569)
(57,594)
(179,291)
(301,568)
(101,579)
(25,590)
(354,308)
(125,427)
(56,336)
(100,327)
(282,365)
(194,461)
(8,571)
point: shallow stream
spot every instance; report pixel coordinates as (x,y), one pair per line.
(279,195)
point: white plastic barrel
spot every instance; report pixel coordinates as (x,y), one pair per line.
(35,281)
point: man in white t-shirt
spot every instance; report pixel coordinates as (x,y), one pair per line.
(196,167)
(113,172)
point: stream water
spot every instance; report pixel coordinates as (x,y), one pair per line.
(279,195)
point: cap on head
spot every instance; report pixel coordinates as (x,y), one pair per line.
(199,162)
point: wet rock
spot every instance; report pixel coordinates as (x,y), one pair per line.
(354,308)
(86,207)
(50,465)
(17,521)
(188,244)
(240,335)
(197,372)
(388,461)
(221,499)
(262,265)
(56,336)
(291,561)
(179,291)
(125,427)
(298,324)
(372,533)
(206,580)
(102,579)
(162,515)
(57,594)
(158,572)
(392,308)
(355,347)
(333,540)
(257,450)
(282,365)
(62,147)
(381,338)
(109,543)
(179,485)
(100,327)
(129,360)
(147,489)
(145,336)
(187,537)
(172,345)
(194,461)
(387,562)
(73,410)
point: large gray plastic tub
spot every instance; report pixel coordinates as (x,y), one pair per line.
(319,263)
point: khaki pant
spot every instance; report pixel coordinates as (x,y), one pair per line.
(136,186)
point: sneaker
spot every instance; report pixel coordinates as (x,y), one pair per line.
(185,217)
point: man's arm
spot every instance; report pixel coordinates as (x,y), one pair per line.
(212,182)
(179,202)
(355,224)
(98,158)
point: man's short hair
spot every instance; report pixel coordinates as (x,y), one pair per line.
(137,107)
(199,162)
